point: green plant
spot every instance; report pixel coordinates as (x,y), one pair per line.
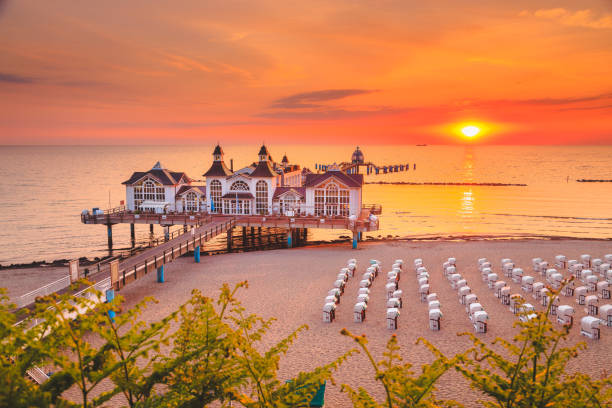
(402,387)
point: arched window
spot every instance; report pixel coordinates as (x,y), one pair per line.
(261,197)
(331,199)
(239,186)
(148,190)
(192,202)
(215,195)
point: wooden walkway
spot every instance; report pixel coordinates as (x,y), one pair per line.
(150,259)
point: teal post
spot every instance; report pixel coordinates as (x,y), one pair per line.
(160,274)
(354,240)
(109,233)
(359,236)
(166,233)
(289,238)
(196,254)
(110,297)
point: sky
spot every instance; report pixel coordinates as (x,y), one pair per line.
(341,71)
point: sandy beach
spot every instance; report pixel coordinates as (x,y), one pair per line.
(292,284)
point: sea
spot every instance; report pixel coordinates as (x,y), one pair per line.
(43,190)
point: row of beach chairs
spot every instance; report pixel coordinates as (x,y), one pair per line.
(333,296)
(433,303)
(394,294)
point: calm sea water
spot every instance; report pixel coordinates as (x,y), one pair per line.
(44,189)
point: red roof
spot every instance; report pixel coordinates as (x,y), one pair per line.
(350,180)
(263,169)
(218,169)
(165,177)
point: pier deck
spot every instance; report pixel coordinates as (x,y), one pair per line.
(362,224)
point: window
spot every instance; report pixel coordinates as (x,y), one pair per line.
(148,190)
(332,201)
(319,202)
(288,203)
(345,205)
(239,186)
(215,195)
(192,202)
(261,197)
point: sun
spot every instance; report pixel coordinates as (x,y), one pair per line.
(470,131)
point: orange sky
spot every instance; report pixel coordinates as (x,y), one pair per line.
(341,71)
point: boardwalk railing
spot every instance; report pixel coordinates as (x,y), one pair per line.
(52,287)
(139,269)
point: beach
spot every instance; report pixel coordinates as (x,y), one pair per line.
(291,286)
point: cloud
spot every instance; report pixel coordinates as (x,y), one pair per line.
(309,99)
(176,125)
(16,79)
(332,114)
(580,18)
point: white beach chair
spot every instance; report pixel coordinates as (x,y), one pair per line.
(469,299)
(491,280)
(363,291)
(557,281)
(398,295)
(452,261)
(507,268)
(595,265)
(576,270)
(390,288)
(359,312)
(363,298)
(484,265)
(351,268)
(392,317)
(435,316)
(423,292)
(516,300)
(527,284)
(517,275)
(504,261)
(329,312)
(434,304)
(589,327)
(482,260)
(526,312)
(331,299)
(342,276)
(480,320)
(498,287)
(565,315)
(605,312)
(432,296)
(474,307)
(591,283)
(463,292)
(454,278)
(450,271)
(608,258)
(561,261)
(460,283)
(585,274)
(418,263)
(365,283)
(549,273)
(536,290)
(535,262)
(505,295)
(585,260)
(484,273)
(603,268)
(568,289)
(335,292)
(393,303)
(445,267)
(609,276)
(592,305)
(603,290)
(543,267)
(581,293)
(392,276)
